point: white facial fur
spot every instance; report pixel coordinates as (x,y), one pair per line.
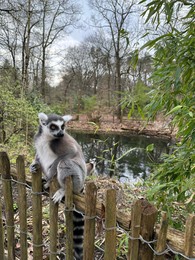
(46,127)
(52,133)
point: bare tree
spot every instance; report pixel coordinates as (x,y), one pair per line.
(9,36)
(114,15)
(104,46)
(57,18)
(29,28)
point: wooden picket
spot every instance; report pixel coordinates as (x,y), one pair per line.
(53,216)
(141,228)
(37,215)
(189,234)
(22,206)
(69,218)
(148,219)
(110,225)
(133,249)
(162,237)
(90,213)
(9,211)
(1,234)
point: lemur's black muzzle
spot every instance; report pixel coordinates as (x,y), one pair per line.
(60,134)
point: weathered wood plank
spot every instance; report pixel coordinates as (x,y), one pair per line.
(90,213)
(133,247)
(188,236)
(37,215)
(53,220)
(9,211)
(1,235)
(110,225)
(149,216)
(69,217)
(22,205)
(162,237)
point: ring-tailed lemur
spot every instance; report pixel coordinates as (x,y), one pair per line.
(59,153)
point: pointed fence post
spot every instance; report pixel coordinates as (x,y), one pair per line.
(37,215)
(1,235)
(162,237)
(22,205)
(69,217)
(149,216)
(53,219)
(133,249)
(90,213)
(189,235)
(9,211)
(110,225)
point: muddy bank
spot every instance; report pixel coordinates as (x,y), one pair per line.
(108,124)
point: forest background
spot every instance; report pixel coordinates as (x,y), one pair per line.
(137,61)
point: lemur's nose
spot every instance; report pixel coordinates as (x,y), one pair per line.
(60,134)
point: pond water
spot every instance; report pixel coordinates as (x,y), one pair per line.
(122,156)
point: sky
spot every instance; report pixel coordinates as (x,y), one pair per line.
(60,46)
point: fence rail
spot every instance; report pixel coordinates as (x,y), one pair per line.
(147,240)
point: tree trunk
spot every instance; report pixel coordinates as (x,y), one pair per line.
(43,74)
(26,50)
(118,86)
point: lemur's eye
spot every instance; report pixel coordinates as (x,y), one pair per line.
(62,127)
(53,127)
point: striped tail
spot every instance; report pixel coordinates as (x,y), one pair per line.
(78,231)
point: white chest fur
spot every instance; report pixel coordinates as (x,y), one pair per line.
(45,154)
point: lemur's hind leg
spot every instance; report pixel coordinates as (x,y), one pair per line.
(51,173)
(65,168)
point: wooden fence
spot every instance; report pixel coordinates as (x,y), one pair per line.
(147,240)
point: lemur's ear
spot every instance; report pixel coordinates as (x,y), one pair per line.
(67,118)
(42,118)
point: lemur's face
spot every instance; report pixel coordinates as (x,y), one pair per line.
(56,128)
(53,126)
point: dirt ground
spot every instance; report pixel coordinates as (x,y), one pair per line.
(109,124)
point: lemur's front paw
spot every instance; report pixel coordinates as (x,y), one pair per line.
(58,196)
(46,185)
(34,167)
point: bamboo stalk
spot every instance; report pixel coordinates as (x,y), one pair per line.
(53,217)
(1,235)
(162,237)
(133,249)
(69,217)
(188,236)
(110,225)
(37,215)
(90,213)
(22,204)
(9,211)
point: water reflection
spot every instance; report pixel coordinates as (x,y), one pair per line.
(122,156)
